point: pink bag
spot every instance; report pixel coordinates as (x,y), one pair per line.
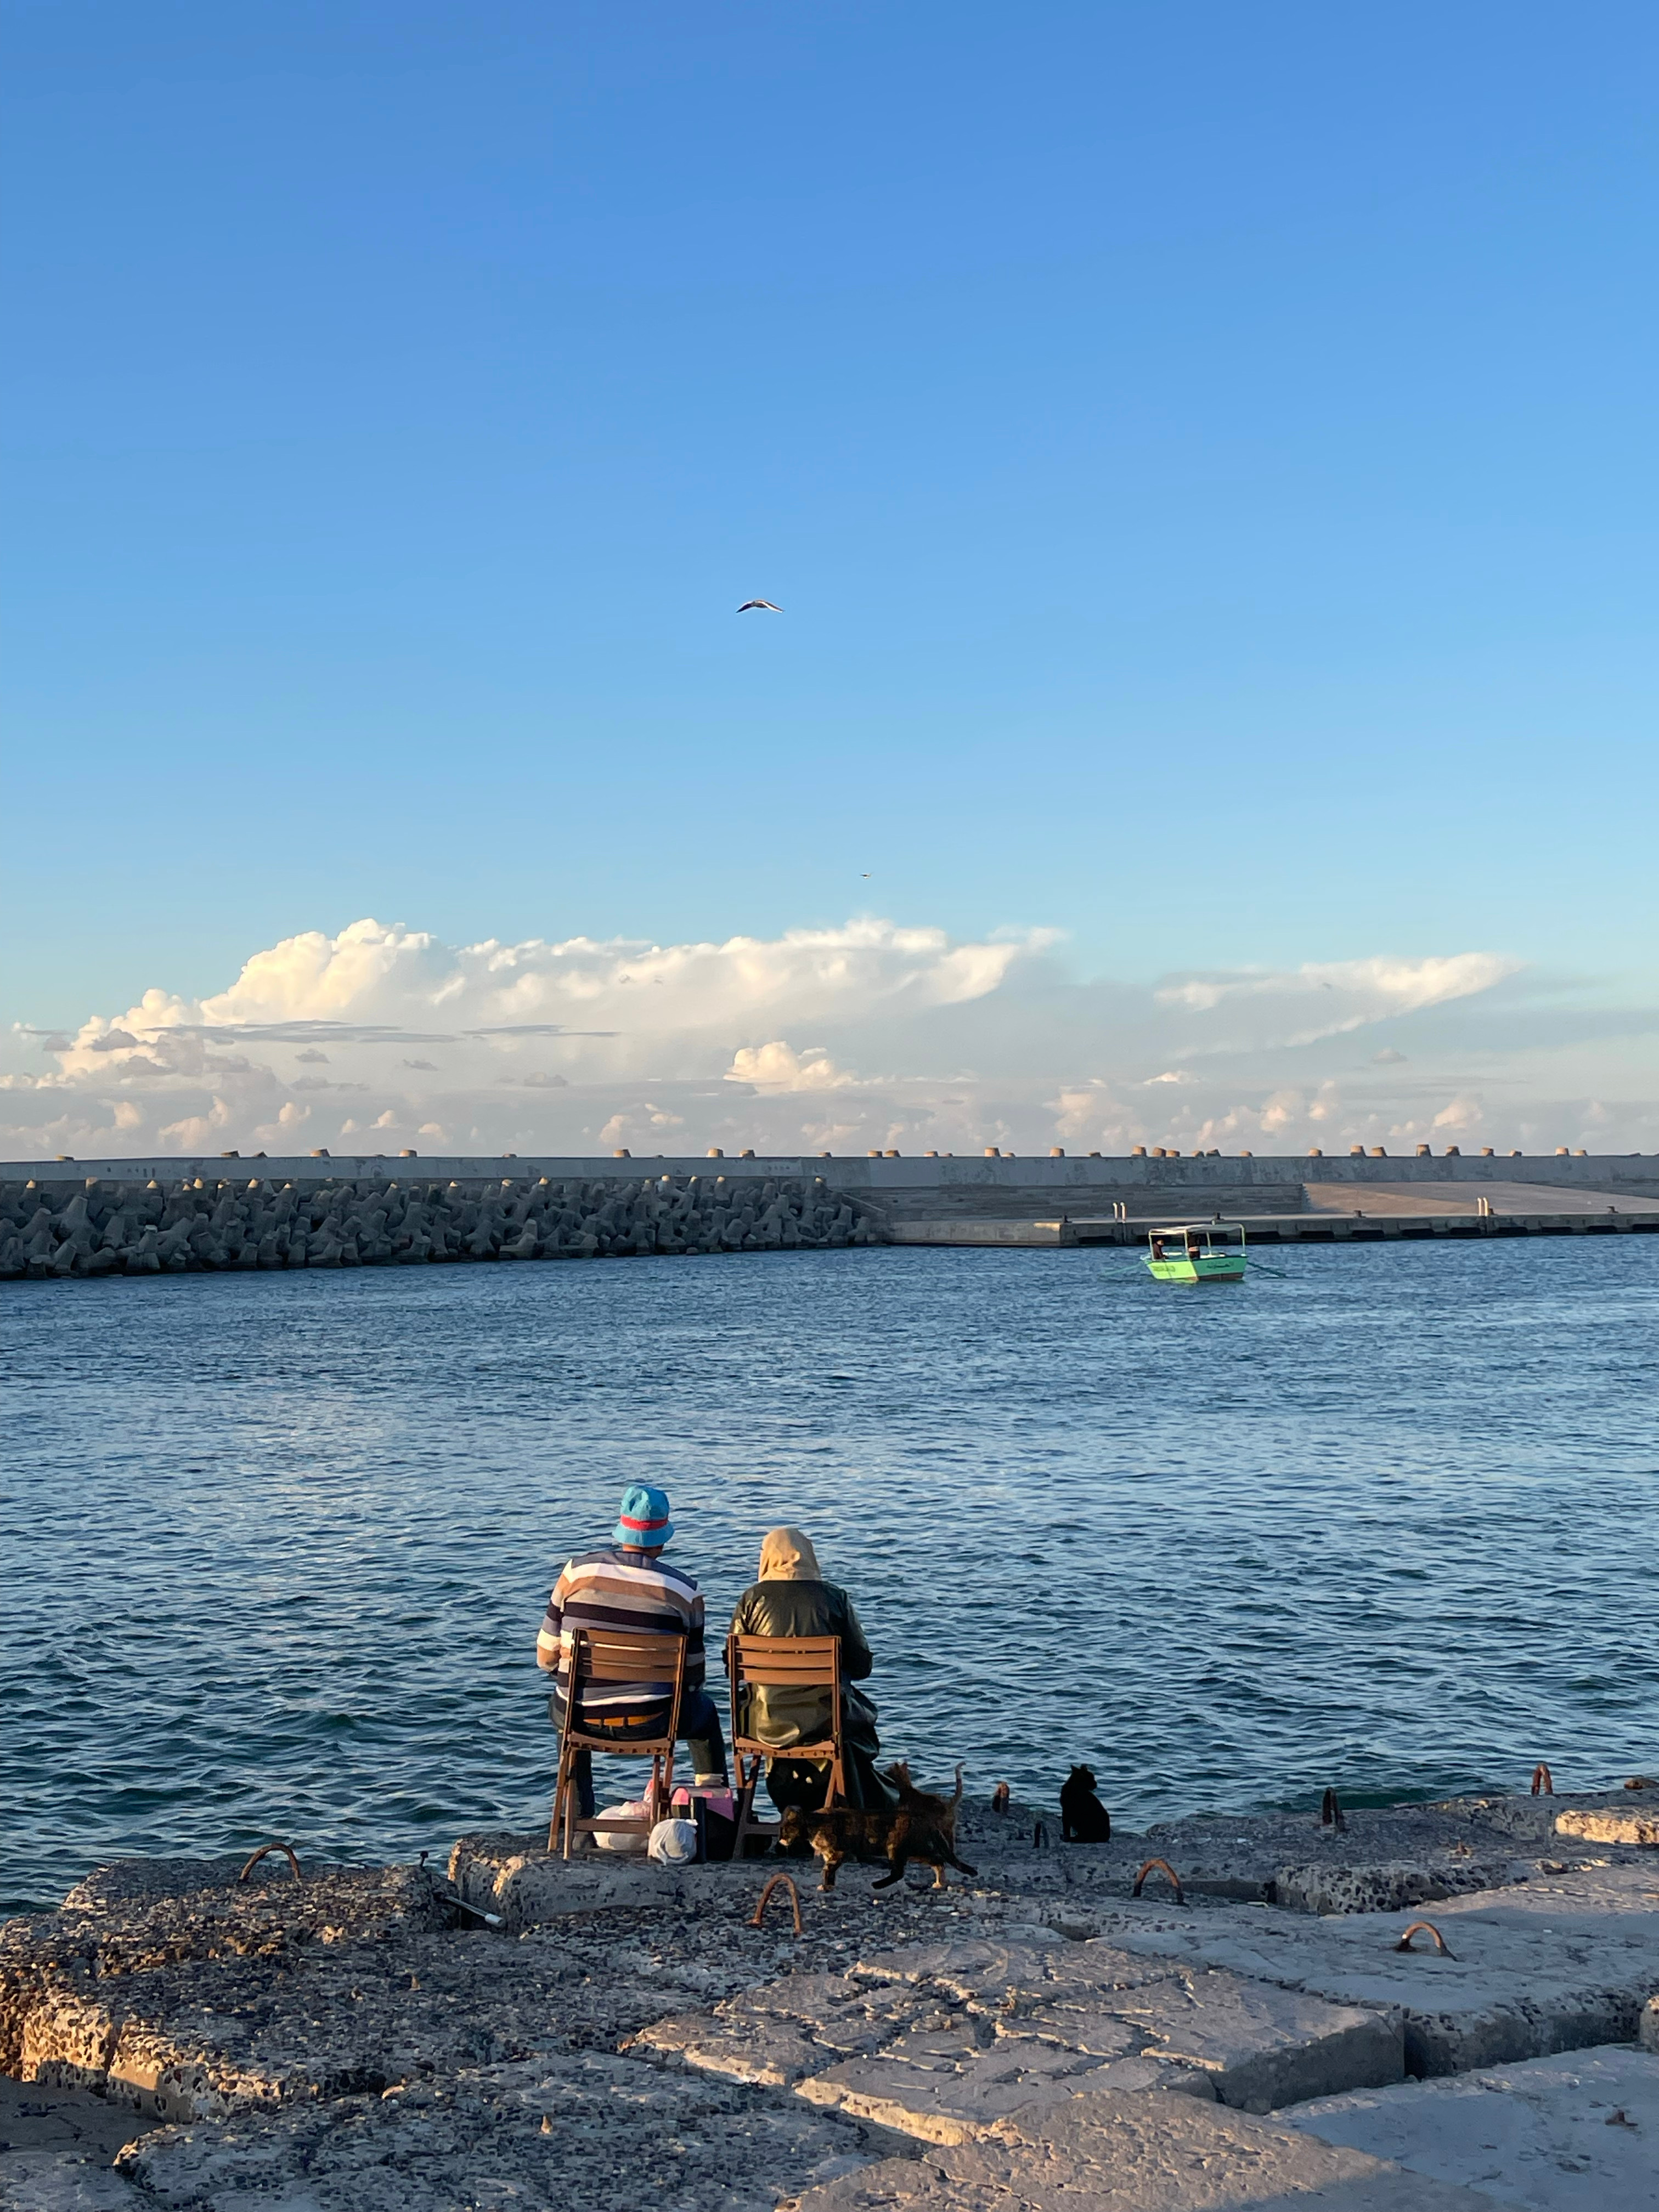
(720,1800)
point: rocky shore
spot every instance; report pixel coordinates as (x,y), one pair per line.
(516,2032)
(99,1228)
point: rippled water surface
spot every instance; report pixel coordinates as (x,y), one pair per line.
(276,1545)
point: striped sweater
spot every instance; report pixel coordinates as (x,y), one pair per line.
(614,1589)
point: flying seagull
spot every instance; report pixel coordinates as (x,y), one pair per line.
(749,605)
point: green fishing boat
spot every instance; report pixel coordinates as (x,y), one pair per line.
(1197,1252)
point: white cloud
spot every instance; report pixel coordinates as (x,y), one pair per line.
(1322,998)
(372,975)
(581,1045)
(777,1067)
(1461,1112)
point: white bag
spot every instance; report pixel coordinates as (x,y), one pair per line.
(634,1808)
(674,1843)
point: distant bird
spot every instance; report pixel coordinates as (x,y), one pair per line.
(867,873)
(749,606)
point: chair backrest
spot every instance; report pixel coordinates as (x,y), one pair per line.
(651,1658)
(793,1663)
(621,1655)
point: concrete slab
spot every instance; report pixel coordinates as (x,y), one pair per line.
(773,2035)
(527,1886)
(63,2181)
(947,2087)
(1112,2152)
(1326,1889)
(983,1972)
(1381,1856)
(590,2130)
(938,2040)
(1262,2046)
(1559,1963)
(1577,2133)
(57,2148)
(1611,1824)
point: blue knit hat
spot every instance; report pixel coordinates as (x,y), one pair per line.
(644,1519)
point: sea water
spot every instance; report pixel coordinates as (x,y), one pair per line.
(276,1545)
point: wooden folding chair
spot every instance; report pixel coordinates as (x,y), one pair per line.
(615,1655)
(793,1662)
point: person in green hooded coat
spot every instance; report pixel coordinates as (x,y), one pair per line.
(791,1598)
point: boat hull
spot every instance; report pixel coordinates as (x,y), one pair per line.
(1221,1267)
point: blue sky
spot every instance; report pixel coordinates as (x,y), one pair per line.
(1205,457)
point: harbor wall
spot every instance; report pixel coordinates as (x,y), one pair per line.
(1005,1186)
(95,1217)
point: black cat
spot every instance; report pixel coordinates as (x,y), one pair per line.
(1083,1819)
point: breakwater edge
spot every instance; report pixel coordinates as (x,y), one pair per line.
(79,1220)
(1371,2010)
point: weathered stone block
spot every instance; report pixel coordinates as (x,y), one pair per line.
(1575,2132)
(1611,1824)
(1111,2152)
(1558,1962)
(589,2130)
(945,2086)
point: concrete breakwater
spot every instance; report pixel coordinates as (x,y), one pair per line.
(96,1217)
(1266,2027)
(197,1223)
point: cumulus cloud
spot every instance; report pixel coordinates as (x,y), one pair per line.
(584,1045)
(1461,1112)
(777,1067)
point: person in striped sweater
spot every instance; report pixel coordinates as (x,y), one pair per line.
(628,1584)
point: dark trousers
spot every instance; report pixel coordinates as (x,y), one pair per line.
(699,1730)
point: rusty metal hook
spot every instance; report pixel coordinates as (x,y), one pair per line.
(1543,1781)
(794,1900)
(1175,1879)
(1330,1813)
(264,1851)
(1425,1928)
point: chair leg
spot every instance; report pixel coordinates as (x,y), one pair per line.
(745,1796)
(560,1790)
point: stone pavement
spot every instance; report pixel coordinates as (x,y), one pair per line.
(1111,2152)
(942,2041)
(1558,1963)
(1575,2133)
(625,2037)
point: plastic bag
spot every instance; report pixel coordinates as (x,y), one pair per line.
(633,1808)
(674,1843)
